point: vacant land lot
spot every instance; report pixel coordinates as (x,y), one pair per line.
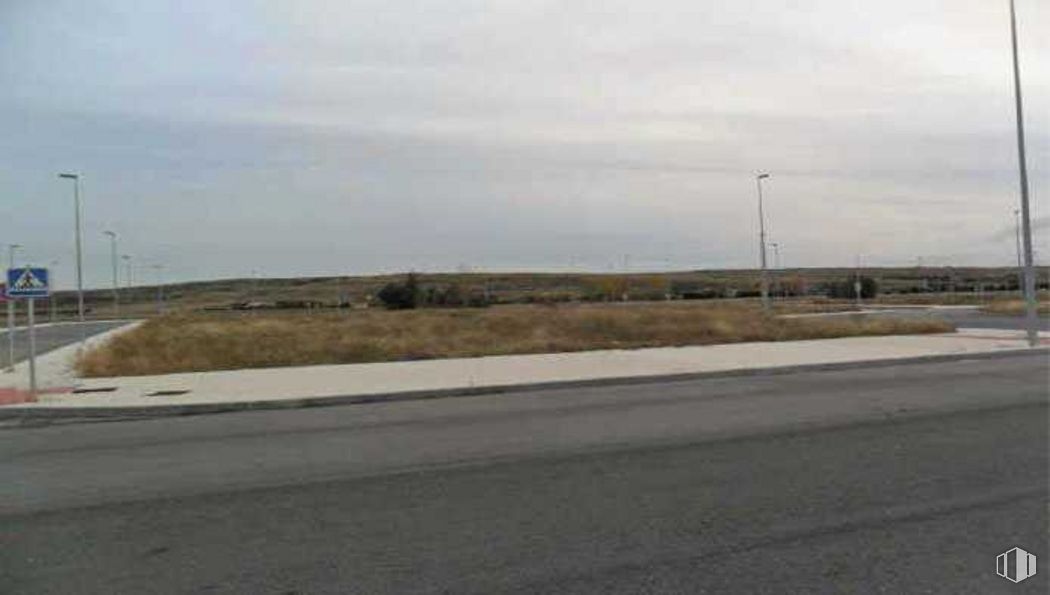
(198,342)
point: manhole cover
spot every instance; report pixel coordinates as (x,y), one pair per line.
(101,389)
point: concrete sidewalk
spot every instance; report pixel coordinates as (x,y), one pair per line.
(318,385)
(55,374)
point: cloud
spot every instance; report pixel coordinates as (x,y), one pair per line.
(1039,225)
(327,136)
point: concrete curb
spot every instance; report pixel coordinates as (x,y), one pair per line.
(55,367)
(16,412)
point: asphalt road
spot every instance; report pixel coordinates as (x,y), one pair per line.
(897,479)
(975,319)
(52,337)
(960,317)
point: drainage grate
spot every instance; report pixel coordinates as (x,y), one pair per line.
(101,389)
(167,393)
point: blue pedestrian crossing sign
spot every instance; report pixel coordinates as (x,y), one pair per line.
(28,282)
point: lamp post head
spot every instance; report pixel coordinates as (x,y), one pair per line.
(111,234)
(69,176)
(762,176)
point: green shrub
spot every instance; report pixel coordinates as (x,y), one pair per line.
(400,296)
(869,288)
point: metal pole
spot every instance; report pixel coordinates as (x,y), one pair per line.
(160,290)
(1020,262)
(51,296)
(113,258)
(762,243)
(32,350)
(1031,312)
(857,285)
(255,292)
(80,259)
(776,268)
(127,270)
(11,313)
(80,256)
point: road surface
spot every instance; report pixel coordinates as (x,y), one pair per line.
(960,317)
(50,337)
(976,319)
(889,479)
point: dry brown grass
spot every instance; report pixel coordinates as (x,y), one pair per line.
(198,342)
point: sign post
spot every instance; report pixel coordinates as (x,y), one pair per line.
(32,350)
(29,284)
(9,364)
(10,333)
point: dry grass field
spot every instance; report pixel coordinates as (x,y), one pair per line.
(223,341)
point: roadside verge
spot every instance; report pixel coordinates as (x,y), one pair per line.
(312,386)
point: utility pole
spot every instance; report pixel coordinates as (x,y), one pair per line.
(113,258)
(762,242)
(1031,312)
(11,248)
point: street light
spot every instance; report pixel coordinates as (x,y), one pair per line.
(127,269)
(762,241)
(80,259)
(113,258)
(160,288)
(11,248)
(1031,313)
(776,268)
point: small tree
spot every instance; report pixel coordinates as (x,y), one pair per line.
(845,290)
(400,296)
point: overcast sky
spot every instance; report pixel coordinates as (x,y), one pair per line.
(360,136)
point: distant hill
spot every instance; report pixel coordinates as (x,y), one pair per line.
(552,287)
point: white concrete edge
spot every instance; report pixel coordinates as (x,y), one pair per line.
(54,369)
(875,309)
(23,328)
(884,307)
(132,410)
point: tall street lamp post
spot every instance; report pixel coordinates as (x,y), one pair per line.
(762,242)
(776,268)
(127,270)
(160,288)
(113,260)
(1031,313)
(80,259)
(1020,252)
